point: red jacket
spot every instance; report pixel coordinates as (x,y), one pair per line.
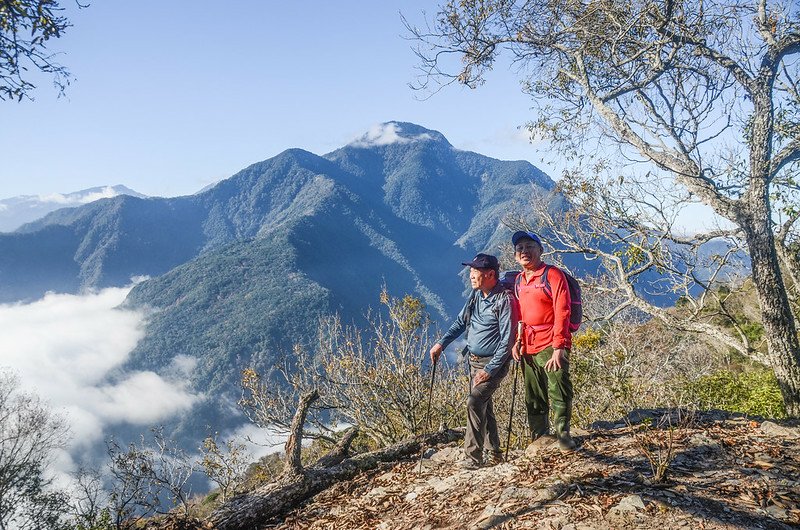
(546,319)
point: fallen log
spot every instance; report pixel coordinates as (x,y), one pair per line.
(256,508)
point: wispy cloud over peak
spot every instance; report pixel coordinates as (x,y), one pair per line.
(394,133)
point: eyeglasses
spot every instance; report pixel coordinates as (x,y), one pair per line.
(526,247)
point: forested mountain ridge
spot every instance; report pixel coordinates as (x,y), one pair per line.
(16,211)
(242,271)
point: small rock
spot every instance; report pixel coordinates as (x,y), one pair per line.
(447,454)
(631,503)
(550,492)
(513,492)
(441,485)
(411,496)
(778,513)
(540,445)
(773,429)
(379,491)
(701,440)
(500,470)
(387,477)
(490,517)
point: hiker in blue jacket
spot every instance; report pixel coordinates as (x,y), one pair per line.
(490,318)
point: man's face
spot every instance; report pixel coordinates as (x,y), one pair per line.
(481,278)
(528,253)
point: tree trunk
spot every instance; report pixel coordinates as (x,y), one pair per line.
(258,507)
(755,218)
(776,313)
(295,440)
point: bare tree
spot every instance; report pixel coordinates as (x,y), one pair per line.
(628,228)
(26,26)
(225,466)
(90,501)
(704,93)
(29,434)
(148,478)
(371,379)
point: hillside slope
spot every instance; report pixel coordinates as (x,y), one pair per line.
(728,472)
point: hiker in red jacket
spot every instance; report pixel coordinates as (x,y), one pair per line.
(547,342)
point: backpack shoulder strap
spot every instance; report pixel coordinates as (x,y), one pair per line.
(507,295)
(545,282)
(470,309)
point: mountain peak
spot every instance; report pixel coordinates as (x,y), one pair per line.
(397,132)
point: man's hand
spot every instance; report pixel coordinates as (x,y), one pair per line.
(515,351)
(436,351)
(554,364)
(481,377)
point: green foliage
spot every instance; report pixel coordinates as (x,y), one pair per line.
(753,330)
(103,521)
(587,341)
(25,28)
(754,393)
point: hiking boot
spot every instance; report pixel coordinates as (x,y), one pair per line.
(565,443)
(469,464)
(493,458)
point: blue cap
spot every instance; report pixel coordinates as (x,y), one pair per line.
(522,233)
(483,261)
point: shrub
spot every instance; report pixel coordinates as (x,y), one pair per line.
(754,393)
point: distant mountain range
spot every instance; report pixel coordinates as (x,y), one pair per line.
(243,270)
(16,211)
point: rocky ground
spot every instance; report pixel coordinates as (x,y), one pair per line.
(724,472)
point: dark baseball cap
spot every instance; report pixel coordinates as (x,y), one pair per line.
(522,233)
(483,261)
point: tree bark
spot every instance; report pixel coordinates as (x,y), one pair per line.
(776,314)
(295,440)
(258,507)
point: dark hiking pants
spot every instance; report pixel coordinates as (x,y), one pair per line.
(545,391)
(481,423)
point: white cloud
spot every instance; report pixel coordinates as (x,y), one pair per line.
(386,134)
(65,348)
(258,442)
(57,198)
(76,199)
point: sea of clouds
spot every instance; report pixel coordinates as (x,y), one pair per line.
(70,350)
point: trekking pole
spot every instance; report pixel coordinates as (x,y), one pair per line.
(428,413)
(517,369)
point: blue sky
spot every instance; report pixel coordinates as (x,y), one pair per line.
(171,96)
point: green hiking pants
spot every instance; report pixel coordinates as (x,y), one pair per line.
(545,391)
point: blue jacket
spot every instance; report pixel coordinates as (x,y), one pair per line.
(492,326)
